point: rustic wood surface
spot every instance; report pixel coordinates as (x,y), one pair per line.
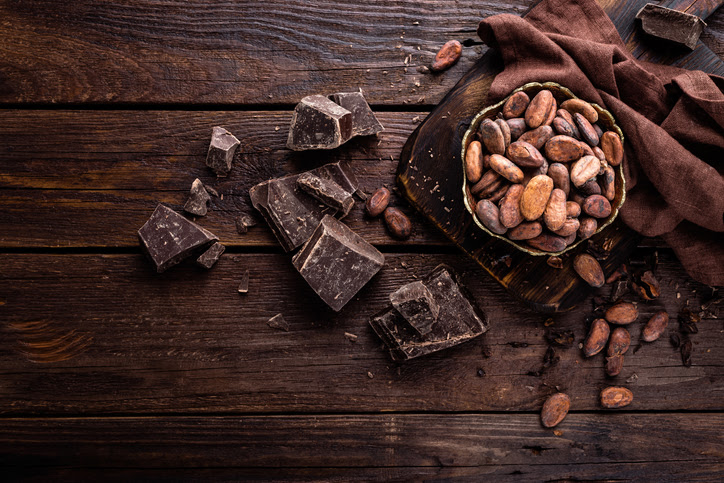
(110,371)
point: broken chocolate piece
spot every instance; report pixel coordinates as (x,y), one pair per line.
(211,256)
(669,24)
(416,304)
(221,151)
(278,322)
(364,122)
(318,123)
(243,223)
(167,238)
(459,320)
(244,284)
(196,204)
(326,191)
(336,262)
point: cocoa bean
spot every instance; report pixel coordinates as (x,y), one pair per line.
(569,228)
(555,213)
(573,209)
(517,127)
(597,128)
(588,134)
(377,203)
(587,228)
(538,136)
(590,187)
(568,117)
(616,397)
(619,342)
(584,169)
(612,148)
(576,197)
(538,109)
(496,195)
(598,152)
(490,216)
(655,326)
(474,162)
(580,106)
(535,196)
(447,56)
(563,149)
(524,154)
(555,409)
(510,216)
(589,270)
(526,231)
(561,126)
(597,206)
(614,365)
(587,150)
(623,313)
(505,129)
(560,177)
(516,105)
(551,113)
(492,188)
(596,338)
(486,160)
(492,137)
(548,243)
(506,168)
(398,223)
(485,182)
(607,181)
(542,169)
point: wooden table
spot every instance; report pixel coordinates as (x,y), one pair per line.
(108,370)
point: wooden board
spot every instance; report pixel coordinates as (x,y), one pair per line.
(103,334)
(465,447)
(430,174)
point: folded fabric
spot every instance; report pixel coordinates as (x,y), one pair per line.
(672,119)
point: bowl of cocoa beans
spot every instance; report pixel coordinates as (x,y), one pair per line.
(542,169)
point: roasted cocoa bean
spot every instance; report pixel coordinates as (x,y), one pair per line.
(607,181)
(623,313)
(486,181)
(612,147)
(614,365)
(584,169)
(590,187)
(535,196)
(524,154)
(517,127)
(548,243)
(597,206)
(555,409)
(589,270)
(551,113)
(538,136)
(598,152)
(505,129)
(569,228)
(525,231)
(447,56)
(516,105)
(398,223)
(616,397)
(492,188)
(596,338)
(563,149)
(506,168)
(581,107)
(587,150)
(498,194)
(474,162)
(619,342)
(587,228)
(538,109)
(655,326)
(492,137)
(597,128)
(573,209)
(559,174)
(377,203)
(568,117)
(555,213)
(576,197)
(486,160)
(588,134)
(490,216)
(561,126)
(510,216)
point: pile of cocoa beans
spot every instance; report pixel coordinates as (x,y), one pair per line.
(543,174)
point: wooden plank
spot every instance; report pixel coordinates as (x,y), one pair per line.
(515,447)
(103,334)
(122,163)
(271,52)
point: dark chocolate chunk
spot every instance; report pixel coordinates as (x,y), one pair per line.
(673,25)
(196,204)
(364,122)
(459,320)
(318,123)
(211,190)
(416,304)
(167,238)
(221,151)
(326,191)
(244,284)
(278,322)
(243,223)
(211,256)
(336,262)
(339,172)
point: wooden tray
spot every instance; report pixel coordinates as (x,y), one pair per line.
(430,175)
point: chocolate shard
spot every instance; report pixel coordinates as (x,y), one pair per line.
(459,320)
(665,23)
(243,223)
(318,123)
(336,262)
(278,322)
(196,204)
(221,151)
(167,238)
(417,305)
(339,172)
(326,191)
(364,122)
(211,256)
(244,284)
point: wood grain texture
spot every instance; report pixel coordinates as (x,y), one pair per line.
(640,447)
(103,334)
(272,52)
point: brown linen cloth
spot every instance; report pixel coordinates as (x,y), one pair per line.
(673,120)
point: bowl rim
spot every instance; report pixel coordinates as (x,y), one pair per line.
(495,108)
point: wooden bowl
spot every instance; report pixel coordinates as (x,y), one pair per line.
(605,120)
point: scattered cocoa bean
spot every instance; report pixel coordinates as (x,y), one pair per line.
(623,313)
(447,56)
(619,342)
(555,409)
(538,109)
(516,105)
(614,365)
(597,338)
(616,397)
(474,162)
(581,107)
(647,286)
(655,326)
(398,223)
(589,270)
(555,262)
(377,203)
